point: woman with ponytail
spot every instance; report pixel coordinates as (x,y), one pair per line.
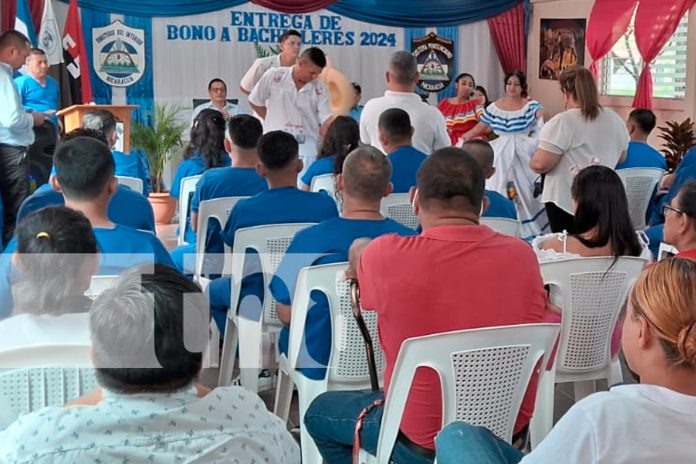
(56,255)
(644,423)
(583,135)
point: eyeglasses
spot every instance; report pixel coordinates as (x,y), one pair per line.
(667,207)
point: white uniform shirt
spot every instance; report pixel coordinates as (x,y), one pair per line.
(25,330)
(231,109)
(430,128)
(257,70)
(636,424)
(16,125)
(299,112)
(579,143)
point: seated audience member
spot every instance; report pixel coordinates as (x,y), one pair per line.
(282,203)
(640,154)
(239,180)
(357,108)
(85,175)
(395,135)
(134,164)
(431,283)
(147,335)
(362,185)
(127,207)
(57,255)
(644,423)
(498,205)
(40,92)
(217,91)
(205,150)
(342,137)
(401,77)
(680,221)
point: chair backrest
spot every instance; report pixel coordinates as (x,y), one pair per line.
(196,102)
(639,184)
(324,182)
(594,291)
(270,242)
(38,376)
(133,183)
(186,189)
(503,225)
(665,251)
(397,206)
(484,374)
(218,209)
(100,283)
(347,363)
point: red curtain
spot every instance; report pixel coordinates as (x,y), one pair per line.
(9,12)
(507,30)
(609,20)
(294,6)
(656,21)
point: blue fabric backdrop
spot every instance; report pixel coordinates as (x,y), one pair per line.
(142,93)
(398,13)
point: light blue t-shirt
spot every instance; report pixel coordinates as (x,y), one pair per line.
(39,97)
(642,155)
(134,164)
(324,243)
(405,162)
(499,206)
(319,167)
(192,167)
(120,248)
(127,208)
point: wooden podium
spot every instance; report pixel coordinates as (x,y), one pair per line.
(72,117)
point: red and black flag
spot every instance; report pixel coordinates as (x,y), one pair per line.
(75,56)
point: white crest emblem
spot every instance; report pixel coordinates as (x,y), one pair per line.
(118,54)
(47,40)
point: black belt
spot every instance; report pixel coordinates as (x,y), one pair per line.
(415,448)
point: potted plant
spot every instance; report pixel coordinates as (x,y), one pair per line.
(678,138)
(159,142)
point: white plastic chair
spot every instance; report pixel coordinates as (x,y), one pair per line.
(484,374)
(270,242)
(186,188)
(348,368)
(503,225)
(100,283)
(324,182)
(397,206)
(594,291)
(218,209)
(639,184)
(133,183)
(45,375)
(665,251)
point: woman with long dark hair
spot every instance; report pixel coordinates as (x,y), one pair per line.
(461,112)
(342,137)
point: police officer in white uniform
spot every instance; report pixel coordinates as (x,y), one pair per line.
(290,42)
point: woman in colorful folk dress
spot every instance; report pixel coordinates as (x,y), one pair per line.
(461,112)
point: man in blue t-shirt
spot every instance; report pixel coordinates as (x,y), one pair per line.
(364,182)
(85,175)
(498,205)
(39,91)
(283,203)
(240,180)
(640,124)
(395,135)
(133,164)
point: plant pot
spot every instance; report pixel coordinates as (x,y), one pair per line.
(163,205)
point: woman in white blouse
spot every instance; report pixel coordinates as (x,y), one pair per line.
(583,135)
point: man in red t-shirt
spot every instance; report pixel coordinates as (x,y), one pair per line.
(455,275)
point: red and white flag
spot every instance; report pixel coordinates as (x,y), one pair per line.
(75,56)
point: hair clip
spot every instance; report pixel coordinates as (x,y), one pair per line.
(43,235)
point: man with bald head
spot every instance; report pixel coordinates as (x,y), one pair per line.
(402,77)
(455,275)
(365,180)
(498,205)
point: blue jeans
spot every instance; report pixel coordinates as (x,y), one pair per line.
(461,443)
(331,418)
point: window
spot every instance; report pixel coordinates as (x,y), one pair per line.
(621,68)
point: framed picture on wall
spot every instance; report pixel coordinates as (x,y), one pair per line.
(562,45)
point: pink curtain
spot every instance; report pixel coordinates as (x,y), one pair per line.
(656,21)
(609,20)
(294,6)
(507,30)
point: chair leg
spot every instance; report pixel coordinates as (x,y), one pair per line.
(306,394)
(583,389)
(250,338)
(283,397)
(229,352)
(542,420)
